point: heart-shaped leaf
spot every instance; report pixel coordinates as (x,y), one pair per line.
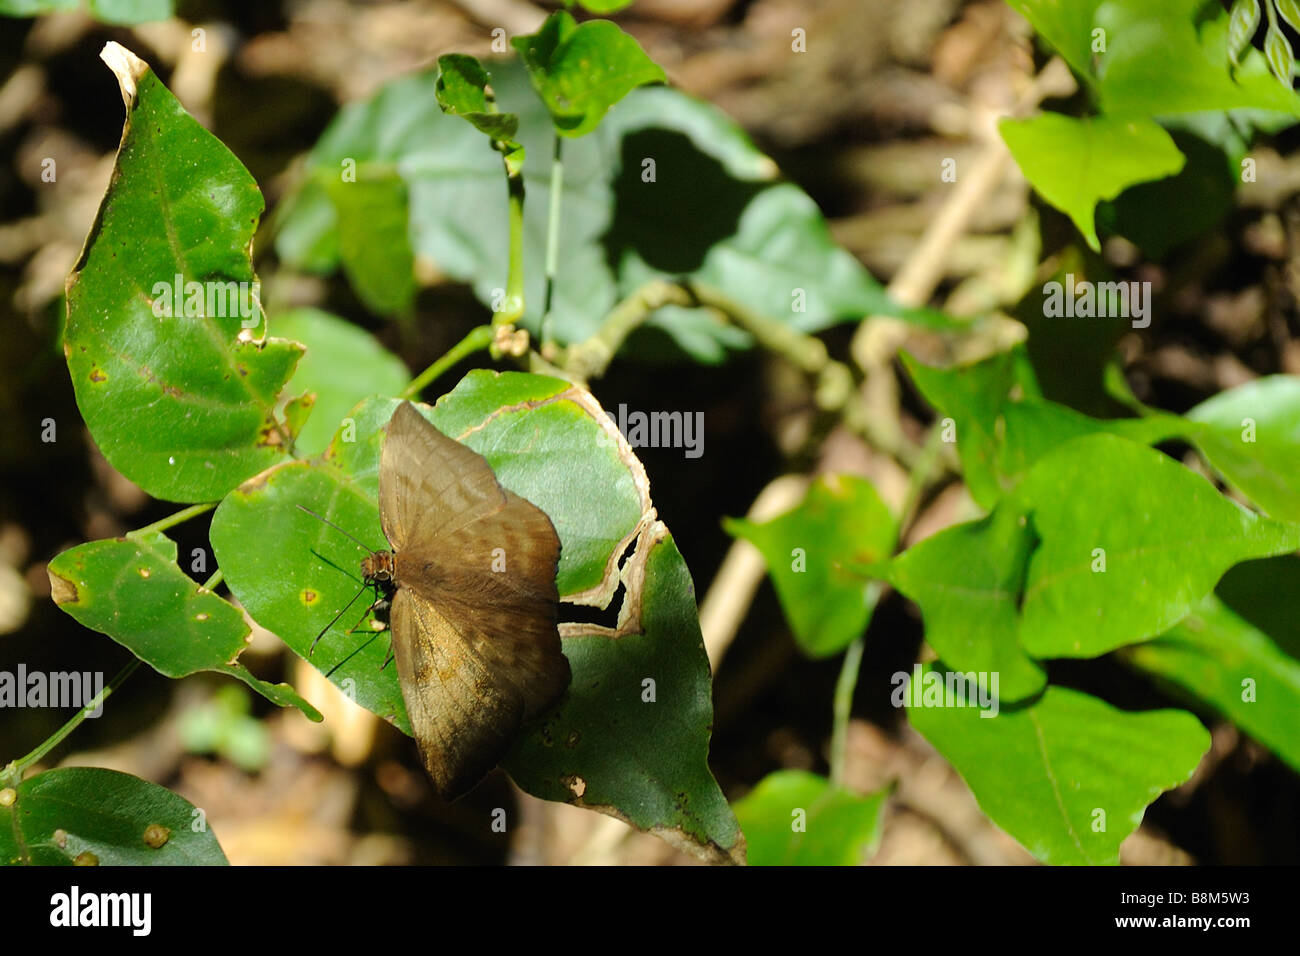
(177,391)
(1107,154)
(810,551)
(1130,541)
(582,71)
(1084,771)
(967,581)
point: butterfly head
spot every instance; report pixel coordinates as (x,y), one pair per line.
(377,568)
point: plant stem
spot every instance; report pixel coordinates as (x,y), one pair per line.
(553,234)
(479,338)
(12,773)
(589,359)
(512,309)
(919,480)
(807,352)
(212,582)
(171,520)
(843,704)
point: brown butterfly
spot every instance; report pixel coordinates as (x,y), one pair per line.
(471,577)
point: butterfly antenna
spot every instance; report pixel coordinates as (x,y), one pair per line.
(334,621)
(337,528)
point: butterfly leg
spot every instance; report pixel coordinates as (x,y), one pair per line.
(381,607)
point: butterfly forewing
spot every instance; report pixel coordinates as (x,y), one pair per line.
(474,617)
(428,483)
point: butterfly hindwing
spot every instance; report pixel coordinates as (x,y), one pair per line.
(462,722)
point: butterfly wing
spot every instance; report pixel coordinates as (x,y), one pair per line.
(462,722)
(430,484)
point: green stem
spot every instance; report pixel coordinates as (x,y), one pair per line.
(477,340)
(553,234)
(807,352)
(919,479)
(13,773)
(843,704)
(212,582)
(185,514)
(512,309)
(589,359)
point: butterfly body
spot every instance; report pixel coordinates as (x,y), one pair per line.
(471,577)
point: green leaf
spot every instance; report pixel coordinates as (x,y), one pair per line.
(1219,657)
(967,581)
(342,365)
(1076,163)
(580,72)
(796,818)
(1163,535)
(184,406)
(462,91)
(712,214)
(88,816)
(548,442)
(1161,56)
(973,396)
(132,590)
(1243,21)
(106,11)
(1281,61)
(372,241)
(810,551)
(1068,776)
(1002,426)
(1252,438)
